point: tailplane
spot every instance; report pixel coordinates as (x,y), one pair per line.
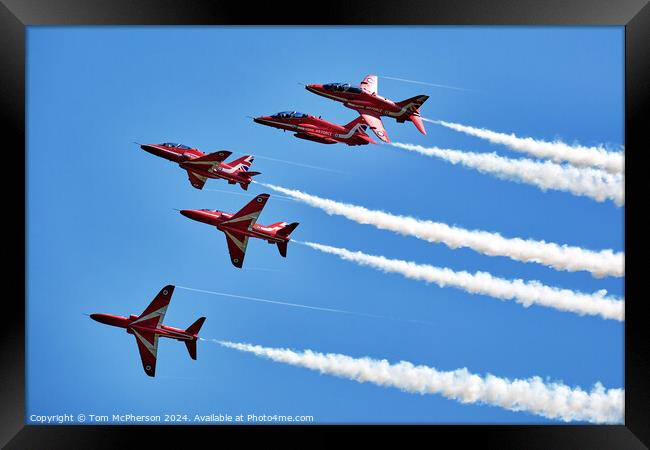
(248,175)
(413,104)
(417,121)
(194,331)
(357,124)
(285,232)
(411,108)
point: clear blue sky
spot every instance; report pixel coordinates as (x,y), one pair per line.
(103,235)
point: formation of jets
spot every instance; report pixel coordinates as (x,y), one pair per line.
(364,99)
(371,106)
(242,225)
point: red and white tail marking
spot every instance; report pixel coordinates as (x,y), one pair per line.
(239,165)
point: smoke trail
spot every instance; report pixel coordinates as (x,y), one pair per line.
(560,257)
(425,83)
(553,400)
(325,169)
(298,305)
(577,155)
(594,183)
(526,293)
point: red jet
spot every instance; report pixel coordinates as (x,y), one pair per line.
(240,226)
(318,130)
(200,166)
(148,327)
(372,106)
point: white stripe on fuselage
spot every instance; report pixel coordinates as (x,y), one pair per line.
(384,112)
(347,135)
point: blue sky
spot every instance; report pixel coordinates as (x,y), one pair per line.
(103,235)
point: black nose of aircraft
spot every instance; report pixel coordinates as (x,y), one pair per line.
(98,317)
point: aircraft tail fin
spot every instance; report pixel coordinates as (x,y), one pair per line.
(242,164)
(413,104)
(287,230)
(196,326)
(357,123)
(411,112)
(193,330)
(248,175)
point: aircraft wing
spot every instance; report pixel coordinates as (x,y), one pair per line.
(374,122)
(246,217)
(155,312)
(369,84)
(148,347)
(210,159)
(237,243)
(196,180)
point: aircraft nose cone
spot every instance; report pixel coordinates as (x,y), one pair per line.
(101,318)
(260,119)
(194,214)
(203,216)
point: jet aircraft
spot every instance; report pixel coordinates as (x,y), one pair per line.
(200,166)
(367,102)
(240,226)
(317,129)
(148,327)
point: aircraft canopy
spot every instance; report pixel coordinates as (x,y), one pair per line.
(290,115)
(172,144)
(341,87)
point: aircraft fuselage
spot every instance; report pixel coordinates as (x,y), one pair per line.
(182,156)
(313,128)
(128,323)
(216,219)
(362,102)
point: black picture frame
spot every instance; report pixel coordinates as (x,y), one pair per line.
(16,15)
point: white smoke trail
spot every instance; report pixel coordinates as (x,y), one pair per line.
(526,293)
(298,305)
(293,163)
(576,155)
(553,400)
(560,257)
(594,183)
(445,86)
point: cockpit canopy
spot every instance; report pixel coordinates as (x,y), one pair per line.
(341,87)
(172,144)
(289,115)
